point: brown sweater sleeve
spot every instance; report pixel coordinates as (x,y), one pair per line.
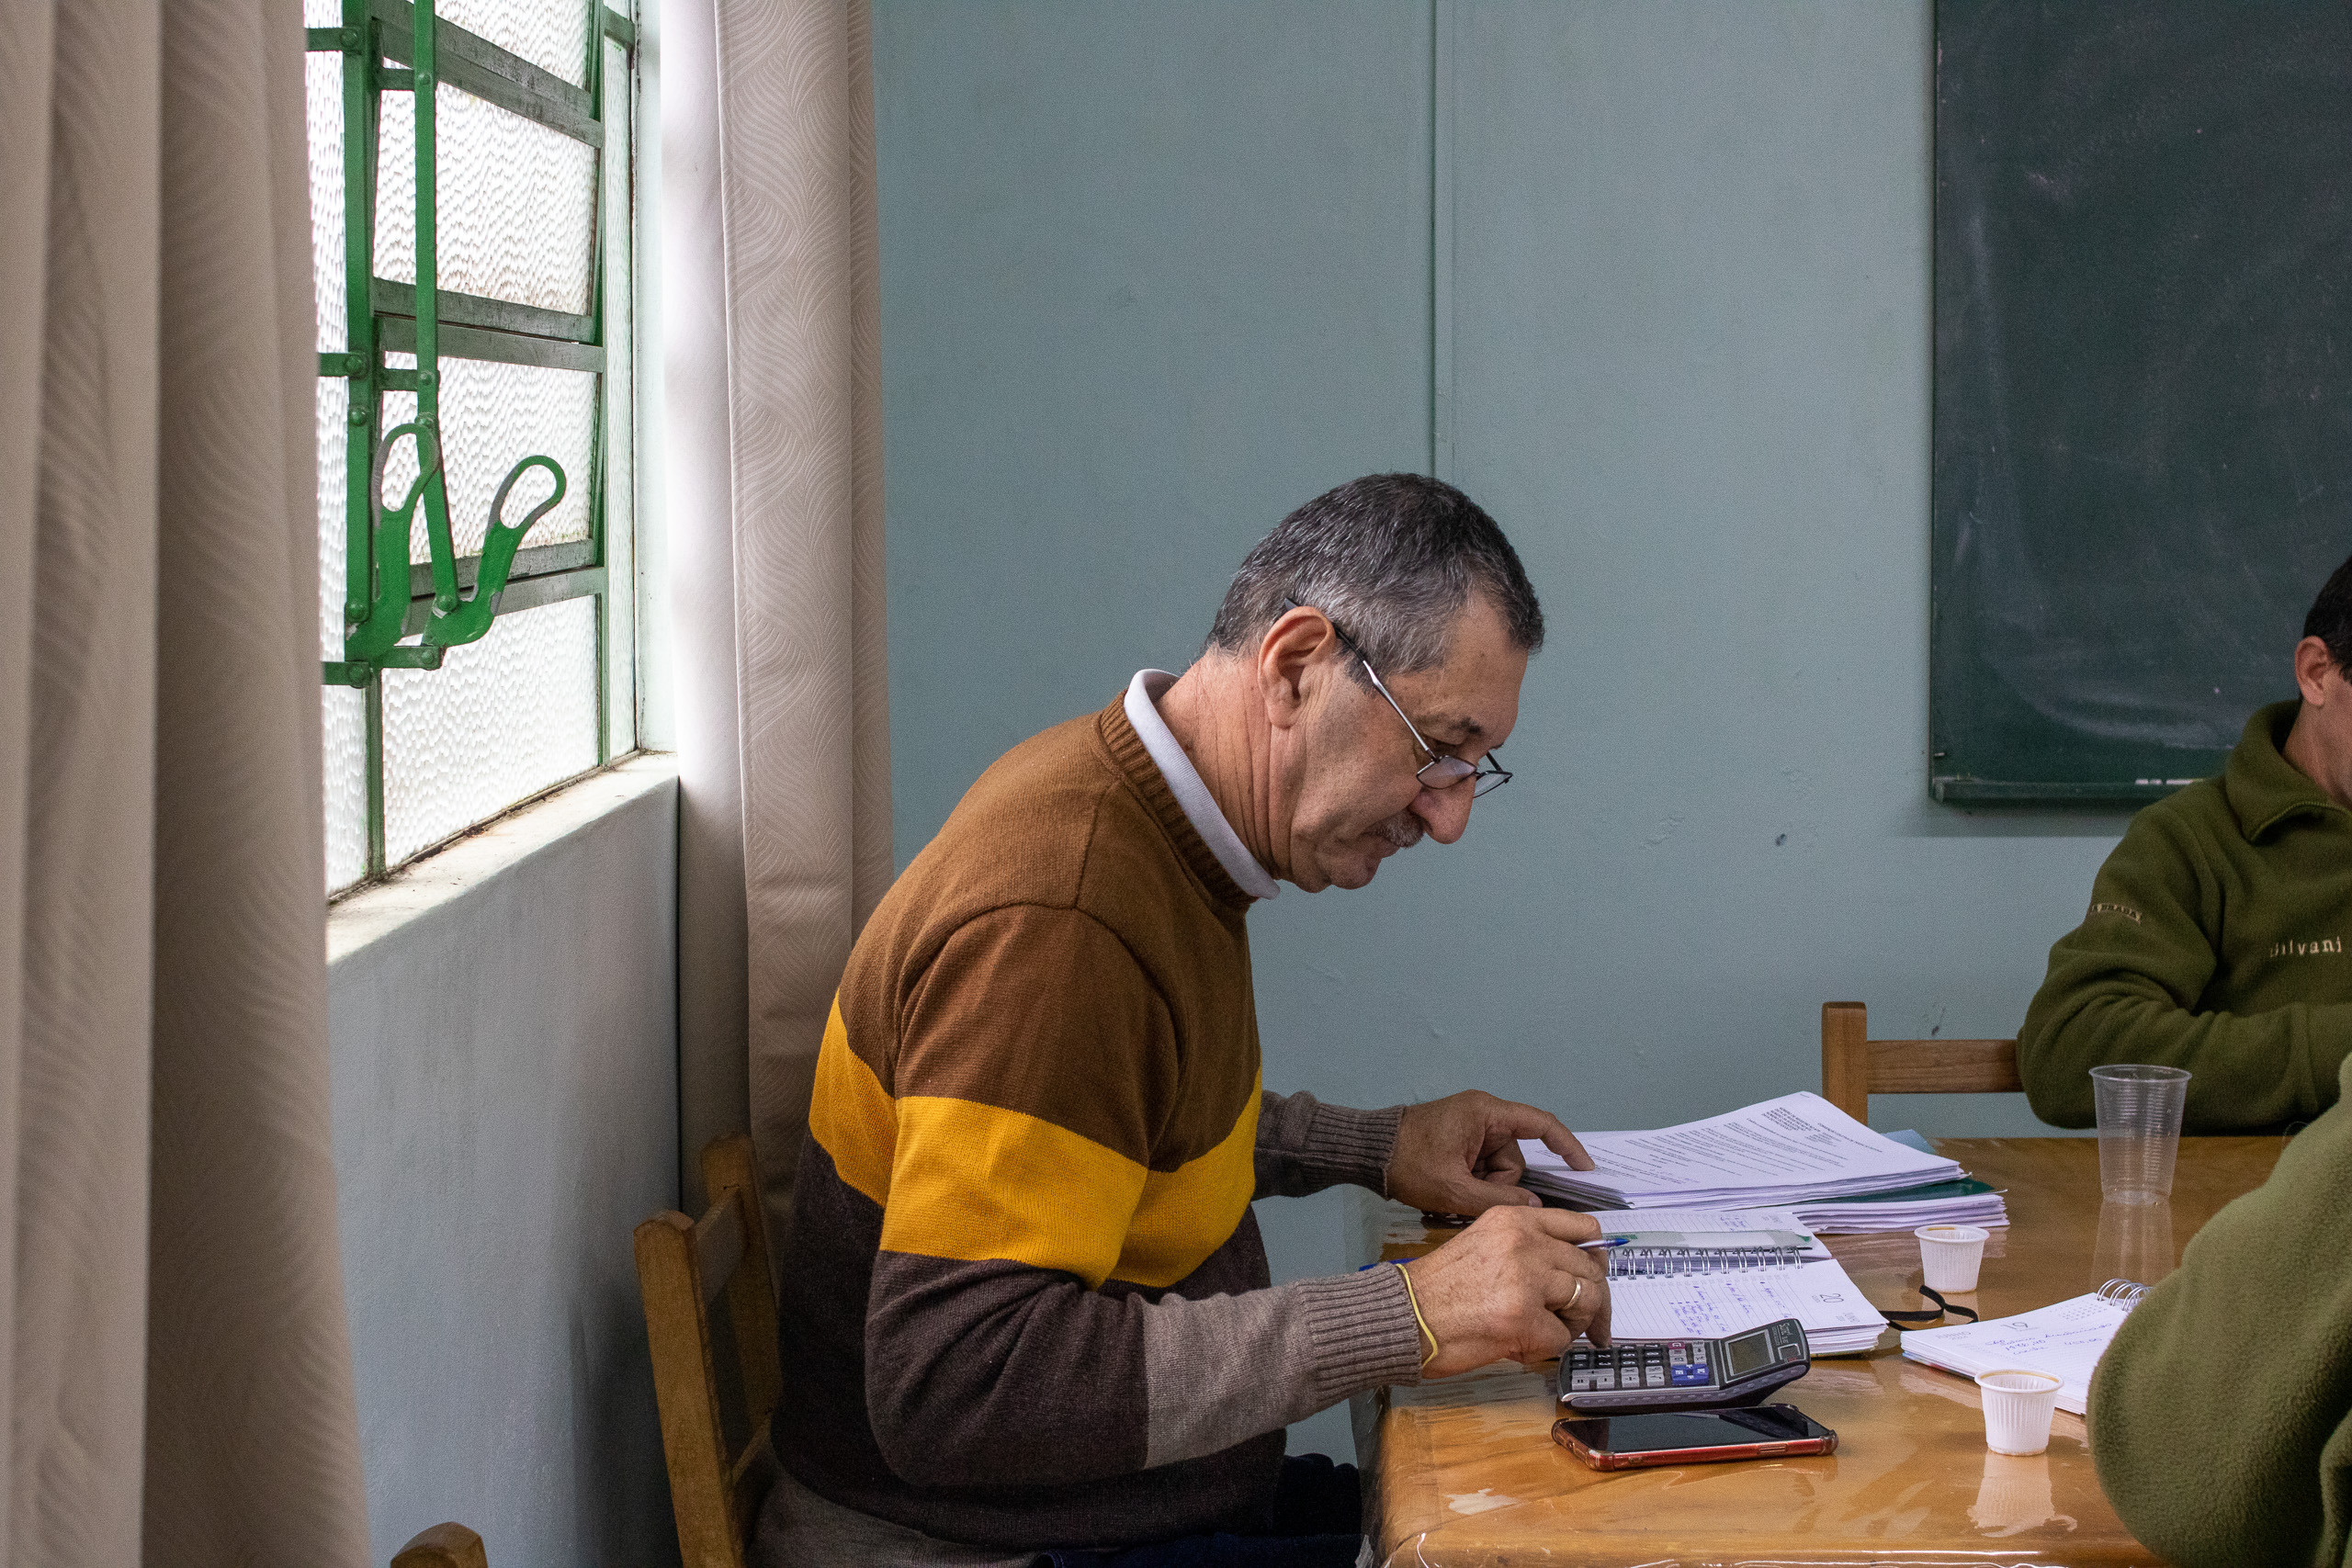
(1304,1145)
(1057,1297)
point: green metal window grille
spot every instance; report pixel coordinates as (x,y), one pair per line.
(476,441)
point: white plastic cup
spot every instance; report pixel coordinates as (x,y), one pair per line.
(2139,1128)
(2017,1407)
(1949,1256)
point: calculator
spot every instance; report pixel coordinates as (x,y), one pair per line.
(1636,1376)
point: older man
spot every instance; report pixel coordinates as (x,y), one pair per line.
(1027,1313)
(2219,937)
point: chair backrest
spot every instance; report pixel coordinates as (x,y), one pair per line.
(699,1378)
(443,1546)
(1854,1066)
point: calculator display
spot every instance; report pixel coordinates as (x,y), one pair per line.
(1749,1353)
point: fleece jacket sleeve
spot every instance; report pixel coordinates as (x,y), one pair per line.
(2220,1418)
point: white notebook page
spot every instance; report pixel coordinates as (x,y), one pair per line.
(2064,1340)
(1714,1306)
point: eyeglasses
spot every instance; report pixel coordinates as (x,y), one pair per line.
(1441,772)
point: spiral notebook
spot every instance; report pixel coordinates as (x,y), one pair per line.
(2064,1341)
(1710,1273)
(1704,1241)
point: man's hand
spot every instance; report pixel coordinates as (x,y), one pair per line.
(1460,1155)
(1514,1284)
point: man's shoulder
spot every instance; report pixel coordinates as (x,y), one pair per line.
(2193,823)
(2201,803)
(1052,824)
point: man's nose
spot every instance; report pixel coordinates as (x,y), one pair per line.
(1444,812)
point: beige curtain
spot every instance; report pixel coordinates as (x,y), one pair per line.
(178,1381)
(773,377)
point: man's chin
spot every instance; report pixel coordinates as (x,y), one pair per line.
(1361,873)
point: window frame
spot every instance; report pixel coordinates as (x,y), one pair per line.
(376,41)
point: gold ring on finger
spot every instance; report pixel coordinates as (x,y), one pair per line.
(1572,1299)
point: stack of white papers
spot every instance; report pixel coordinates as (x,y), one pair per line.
(1947,1204)
(1837,1319)
(1782,1152)
(2066,1341)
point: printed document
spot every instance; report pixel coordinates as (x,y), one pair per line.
(1779,1151)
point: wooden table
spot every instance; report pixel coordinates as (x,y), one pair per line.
(1463,1471)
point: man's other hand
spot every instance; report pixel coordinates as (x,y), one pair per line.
(1460,1155)
(1514,1284)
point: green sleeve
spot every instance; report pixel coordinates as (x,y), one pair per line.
(2220,1418)
(2125,986)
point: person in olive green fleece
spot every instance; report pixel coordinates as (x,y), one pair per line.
(2220,933)
(2220,1417)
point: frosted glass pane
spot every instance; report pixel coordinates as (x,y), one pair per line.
(493,416)
(345,713)
(323,79)
(516,203)
(551,34)
(346,731)
(334,400)
(620,471)
(501,719)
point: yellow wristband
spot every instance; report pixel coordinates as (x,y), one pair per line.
(1424,1322)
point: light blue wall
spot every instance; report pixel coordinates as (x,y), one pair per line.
(1154,275)
(506,1112)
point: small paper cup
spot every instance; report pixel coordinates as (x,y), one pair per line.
(2017,1407)
(1949,1256)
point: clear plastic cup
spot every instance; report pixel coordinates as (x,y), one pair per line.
(2139,1130)
(1950,1256)
(2017,1407)
(2134,1243)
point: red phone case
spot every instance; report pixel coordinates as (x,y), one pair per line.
(1779,1448)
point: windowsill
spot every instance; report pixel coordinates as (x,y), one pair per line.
(419,890)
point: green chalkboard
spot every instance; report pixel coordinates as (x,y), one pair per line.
(2142,430)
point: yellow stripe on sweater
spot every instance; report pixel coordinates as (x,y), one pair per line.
(977,1182)
(851,1114)
(1189,1213)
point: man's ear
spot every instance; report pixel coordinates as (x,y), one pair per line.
(2314,665)
(1289,657)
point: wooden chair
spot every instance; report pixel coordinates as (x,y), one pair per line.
(443,1546)
(1854,1066)
(715,1391)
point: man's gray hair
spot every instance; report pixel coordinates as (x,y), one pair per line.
(1391,558)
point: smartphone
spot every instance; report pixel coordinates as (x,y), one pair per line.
(1629,1442)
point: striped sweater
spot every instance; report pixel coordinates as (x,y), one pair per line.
(1027,1304)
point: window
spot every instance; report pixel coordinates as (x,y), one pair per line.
(535,214)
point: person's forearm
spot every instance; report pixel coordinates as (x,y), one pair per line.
(998,1375)
(1304,1145)
(1223,1370)
(2253,1070)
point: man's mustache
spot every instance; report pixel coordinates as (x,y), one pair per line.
(1403,830)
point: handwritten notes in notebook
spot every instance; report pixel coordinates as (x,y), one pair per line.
(2064,1340)
(1837,1319)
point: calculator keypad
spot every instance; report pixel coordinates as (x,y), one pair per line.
(1667,1363)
